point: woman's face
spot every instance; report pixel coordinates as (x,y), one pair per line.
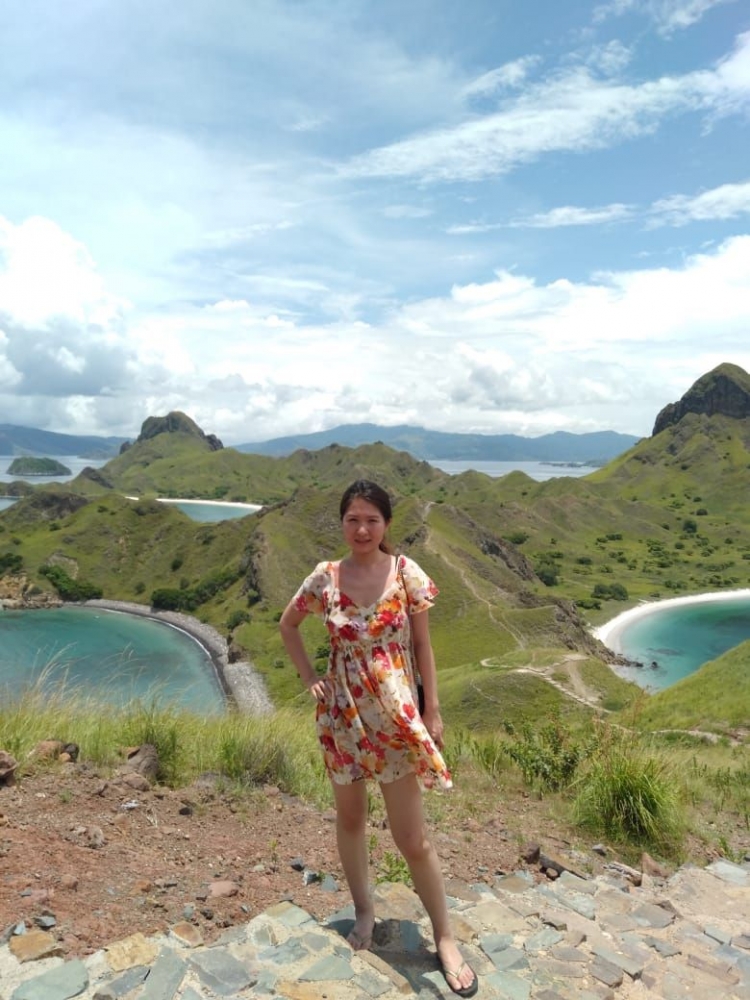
(364,526)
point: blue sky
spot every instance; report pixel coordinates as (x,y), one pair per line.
(283,216)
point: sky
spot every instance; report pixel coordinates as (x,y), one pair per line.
(283,215)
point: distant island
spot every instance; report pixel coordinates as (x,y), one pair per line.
(26,465)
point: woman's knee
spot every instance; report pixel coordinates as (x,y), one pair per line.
(414,845)
(351,821)
(351,808)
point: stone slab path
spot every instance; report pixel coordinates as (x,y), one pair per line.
(588,939)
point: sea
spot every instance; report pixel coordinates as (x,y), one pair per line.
(106,656)
(206,511)
(673,642)
(540,471)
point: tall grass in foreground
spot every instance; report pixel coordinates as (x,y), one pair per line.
(278,749)
(630,793)
(613,782)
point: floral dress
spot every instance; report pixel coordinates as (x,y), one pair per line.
(370,726)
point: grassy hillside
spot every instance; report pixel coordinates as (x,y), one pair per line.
(715,698)
(514,558)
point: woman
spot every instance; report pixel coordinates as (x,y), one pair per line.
(376,610)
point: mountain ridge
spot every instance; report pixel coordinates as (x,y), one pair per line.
(592,448)
(561,446)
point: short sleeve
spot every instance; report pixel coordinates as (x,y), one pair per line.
(420,590)
(312,596)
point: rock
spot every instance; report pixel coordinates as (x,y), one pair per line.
(47,750)
(222,888)
(95,837)
(530,853)
(69,882)
(724,390)
(557,863)
(652,868)
(131,951)
(8,767)
(144,760)
(135,780)
(32,946)
(631,874)
(187,934)
(69,980)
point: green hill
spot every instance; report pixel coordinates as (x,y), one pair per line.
(27,465)
(519,563)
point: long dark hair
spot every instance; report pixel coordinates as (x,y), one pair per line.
(364,489)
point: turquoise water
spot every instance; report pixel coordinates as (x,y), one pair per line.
(208,512)
(110,656)
(681,638)
(195,509)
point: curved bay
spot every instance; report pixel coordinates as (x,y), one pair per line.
(108,656)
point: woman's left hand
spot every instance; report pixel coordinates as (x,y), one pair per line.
(434,726)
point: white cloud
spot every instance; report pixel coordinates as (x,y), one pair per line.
(611,58)
(505,77)
(571,215)
(728,201)
(47,275)
(571,112)
(668,16)
(509,354)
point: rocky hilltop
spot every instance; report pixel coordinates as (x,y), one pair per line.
(174,423)
(725,390)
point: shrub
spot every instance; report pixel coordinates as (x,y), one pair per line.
(518,537)
(629,795)
(548,756)
(548,574)
(237,618)
(10,562)
(689,526)
(610,591)
(68,588)
(170,599)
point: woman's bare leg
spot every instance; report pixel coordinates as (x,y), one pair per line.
(403,802)
(351,823)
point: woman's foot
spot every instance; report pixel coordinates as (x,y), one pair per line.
(360,936)
(459,976)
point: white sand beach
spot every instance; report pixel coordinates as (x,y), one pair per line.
(611,631)
(250,507)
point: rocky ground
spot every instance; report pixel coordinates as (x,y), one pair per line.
(99,857)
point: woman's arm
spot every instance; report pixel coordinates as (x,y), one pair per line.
(423,654)
(290,635)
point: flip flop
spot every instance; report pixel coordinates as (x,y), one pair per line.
(358,942)
(462,991)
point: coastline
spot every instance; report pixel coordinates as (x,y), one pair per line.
(240,682)
(250,507)
(610,633)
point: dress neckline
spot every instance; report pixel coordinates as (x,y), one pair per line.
(364,607)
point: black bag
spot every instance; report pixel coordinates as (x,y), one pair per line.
(420,689)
